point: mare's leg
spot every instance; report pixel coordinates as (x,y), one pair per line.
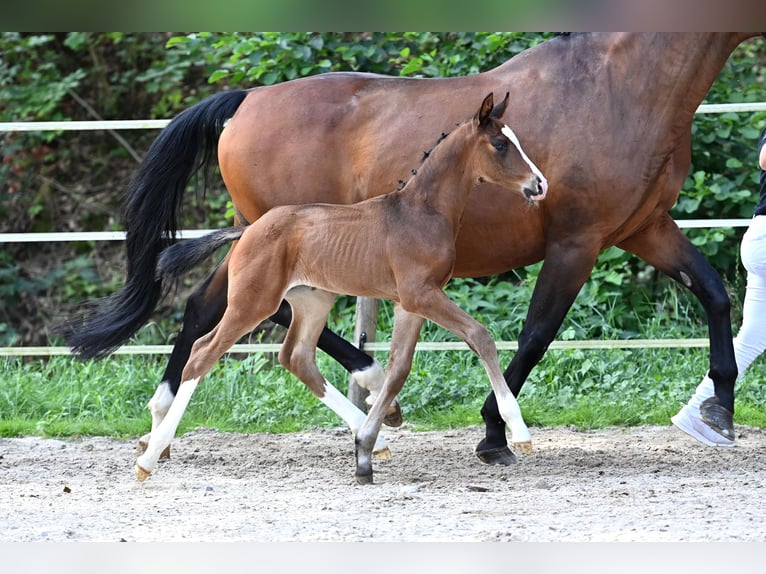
(403,340)
(664,246)
(298,355)
(434,304)
(566,267)
(203,311)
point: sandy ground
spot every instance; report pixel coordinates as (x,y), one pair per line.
(637,484)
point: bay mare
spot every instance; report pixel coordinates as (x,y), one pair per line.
(398,246)
(607,117)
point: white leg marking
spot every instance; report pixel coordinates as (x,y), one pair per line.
(508,406)
(164,433)
(371,378)
(511,413)
(338,403)
(160,403)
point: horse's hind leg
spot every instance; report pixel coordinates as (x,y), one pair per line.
(664,246)
(403,340)
(298,355)
(365,370)
(235,323)
(203,311)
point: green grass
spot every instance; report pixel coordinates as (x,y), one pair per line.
(61,396)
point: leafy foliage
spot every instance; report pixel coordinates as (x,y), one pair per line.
(55,181)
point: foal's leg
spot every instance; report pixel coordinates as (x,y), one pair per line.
(236,322)
(664,246)
(565,269)
(365,370)
(298,355)
(403,340)
(204,309)
(433,304)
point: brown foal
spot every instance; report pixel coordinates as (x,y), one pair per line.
(398,246)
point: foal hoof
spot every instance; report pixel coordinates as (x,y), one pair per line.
(718,417)
(141,474)
(382,454)
(523,447)
(394,416)
(363,478)
(500,456)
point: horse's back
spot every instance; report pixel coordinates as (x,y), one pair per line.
(336,138)
(601,115)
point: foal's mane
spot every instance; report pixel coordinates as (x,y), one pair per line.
(414,171)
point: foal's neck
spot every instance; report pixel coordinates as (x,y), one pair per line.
(443,181)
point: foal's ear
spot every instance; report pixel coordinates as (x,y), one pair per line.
(499,109)
(486,109)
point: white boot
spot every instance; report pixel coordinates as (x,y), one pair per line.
(689,420)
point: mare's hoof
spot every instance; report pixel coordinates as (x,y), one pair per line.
(499,456)
(363,478)
(382,454)
(141,474)
(394,416)
(718,417)
(523,447)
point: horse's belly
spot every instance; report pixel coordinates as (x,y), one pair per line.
(500,231)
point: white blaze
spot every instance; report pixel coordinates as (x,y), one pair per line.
(508,132)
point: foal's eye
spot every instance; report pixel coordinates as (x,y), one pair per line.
(500,145)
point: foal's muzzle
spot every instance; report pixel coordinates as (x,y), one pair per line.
(538,192)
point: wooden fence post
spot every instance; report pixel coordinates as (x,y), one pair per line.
(364,331)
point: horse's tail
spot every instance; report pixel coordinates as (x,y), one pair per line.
(152,208)
(186,255)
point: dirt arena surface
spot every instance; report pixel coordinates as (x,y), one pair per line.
(634,484)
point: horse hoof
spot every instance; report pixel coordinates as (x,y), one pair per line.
(523,447)
(718,417)
(141,474)
(394,416)
(363,478)
(498,456)
(382,454)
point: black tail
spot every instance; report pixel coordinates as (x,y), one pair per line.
(152,208)
(185,256)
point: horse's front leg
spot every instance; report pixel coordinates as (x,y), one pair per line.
(566,267)
(404,337)
(203,311)
(664,246)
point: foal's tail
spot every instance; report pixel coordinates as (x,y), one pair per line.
(152,207)
(186,255)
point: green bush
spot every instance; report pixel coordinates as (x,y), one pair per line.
(55,182)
